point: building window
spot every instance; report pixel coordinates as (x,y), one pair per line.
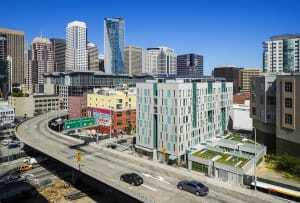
(288,103)
(288,119)
(261,100)
(288,86)
(253,111)
(271,100)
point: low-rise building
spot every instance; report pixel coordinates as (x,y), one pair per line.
(240,116)
(175,115)
(32,105)
(7,114)
(116,105)
(228,159)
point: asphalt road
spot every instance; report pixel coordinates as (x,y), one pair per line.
(97,162)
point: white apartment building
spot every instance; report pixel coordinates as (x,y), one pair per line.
(281,54)
(162,61)
(7,114)
(76,48)
(175,115)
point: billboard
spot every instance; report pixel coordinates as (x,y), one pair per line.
(102,116)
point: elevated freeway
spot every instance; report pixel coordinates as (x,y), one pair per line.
(106,166)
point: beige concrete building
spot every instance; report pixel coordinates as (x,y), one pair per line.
(246,75)
(34,104)
(14,49)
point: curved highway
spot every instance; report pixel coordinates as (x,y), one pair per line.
(107,165)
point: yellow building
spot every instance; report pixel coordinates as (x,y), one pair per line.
(116,100)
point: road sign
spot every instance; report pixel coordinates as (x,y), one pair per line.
(79,123)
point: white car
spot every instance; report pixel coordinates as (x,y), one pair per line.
(29,160)
(6,142)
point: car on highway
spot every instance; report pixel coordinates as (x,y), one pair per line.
(13,144)
(25,167)
(12,179)
(132,178)
(30,160)
(28,177)
(6,142)
(194,187)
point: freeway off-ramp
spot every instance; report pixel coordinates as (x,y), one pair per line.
(107,165)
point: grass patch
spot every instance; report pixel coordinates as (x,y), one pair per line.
(288,165)
(237,137)
(209,154)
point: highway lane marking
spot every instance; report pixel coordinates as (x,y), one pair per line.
(148,187)
(159,178)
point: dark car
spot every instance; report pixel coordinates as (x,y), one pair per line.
(194,187)
(132,178)
(13,179)
(13,145)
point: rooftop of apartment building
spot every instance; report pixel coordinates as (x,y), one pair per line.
(285,36)
(186,80)
(115,91)
(6,30)
(240,98)
(96,73)
(6,108)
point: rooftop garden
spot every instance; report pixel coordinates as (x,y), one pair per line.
(233,160)
(207,154)
(237,137)
(224,158)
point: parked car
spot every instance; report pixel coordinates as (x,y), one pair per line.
(194,187)
(132,178)
(25,167)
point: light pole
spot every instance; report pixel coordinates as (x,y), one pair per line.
(254,159)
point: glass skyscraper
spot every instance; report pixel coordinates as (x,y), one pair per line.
(114,45)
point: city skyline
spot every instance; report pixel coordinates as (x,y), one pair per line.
(202,28)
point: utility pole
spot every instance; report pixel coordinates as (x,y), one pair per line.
(254,158)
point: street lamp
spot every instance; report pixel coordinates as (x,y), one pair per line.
(254,159)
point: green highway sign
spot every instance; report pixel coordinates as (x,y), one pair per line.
(79,123)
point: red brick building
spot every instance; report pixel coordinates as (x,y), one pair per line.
(121,120)
(77,106)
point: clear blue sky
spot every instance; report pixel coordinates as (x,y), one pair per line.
(224,31)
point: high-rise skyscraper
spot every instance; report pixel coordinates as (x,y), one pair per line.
(3,66)
(101,62)
(189,65)
(59,54)
(135,60)
(13,48)
(76,50)
(42,61)
(114,45)
(162,61)
(281,54)
(93,58)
